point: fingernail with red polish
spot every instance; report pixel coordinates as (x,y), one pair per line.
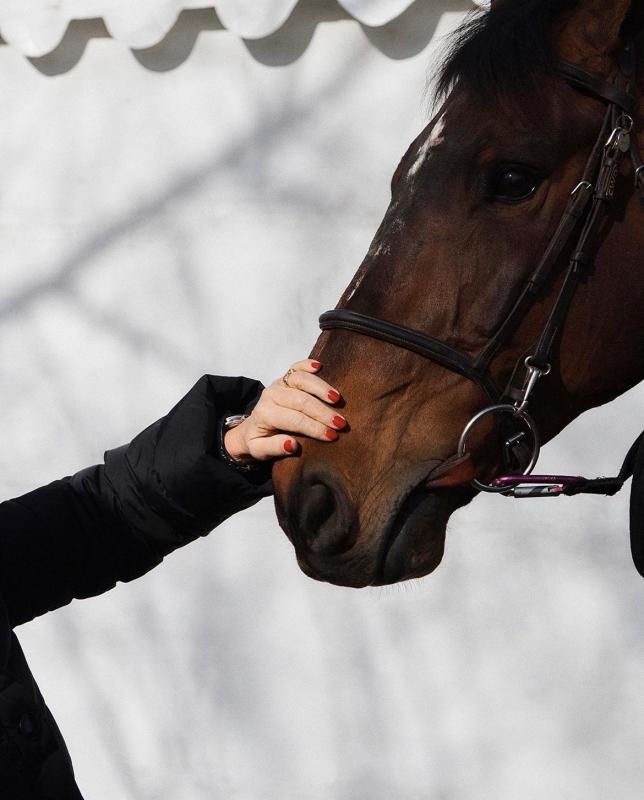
(289,446)
(316,364)
(339,422)
(331,435)
(333,395)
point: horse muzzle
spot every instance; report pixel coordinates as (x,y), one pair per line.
(402,537)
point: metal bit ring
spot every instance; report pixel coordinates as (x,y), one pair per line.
(502,409)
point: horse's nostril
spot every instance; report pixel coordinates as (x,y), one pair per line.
(324,518)
(319,508)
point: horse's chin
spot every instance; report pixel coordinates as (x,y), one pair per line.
(415,541)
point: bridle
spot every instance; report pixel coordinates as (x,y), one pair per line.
(587,211)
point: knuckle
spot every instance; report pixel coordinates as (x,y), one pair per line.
(295,420)
(300,401)
(316,409)
(316,429)
(312,409)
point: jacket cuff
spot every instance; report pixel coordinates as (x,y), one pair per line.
(170,483)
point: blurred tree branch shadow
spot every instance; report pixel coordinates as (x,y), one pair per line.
(60,279)
(403,37)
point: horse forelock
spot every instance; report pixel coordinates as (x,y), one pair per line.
(502,52)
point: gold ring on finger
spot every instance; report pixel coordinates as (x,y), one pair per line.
(286,376)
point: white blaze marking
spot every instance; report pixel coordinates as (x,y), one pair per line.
(355,286)
(432,141)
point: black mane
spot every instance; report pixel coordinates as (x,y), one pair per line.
(502,52)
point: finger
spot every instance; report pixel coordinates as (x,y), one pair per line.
(308,405)
(312,384)
(307,365)
(274,446)
(281,418)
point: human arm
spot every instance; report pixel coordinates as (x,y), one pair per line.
(80,535)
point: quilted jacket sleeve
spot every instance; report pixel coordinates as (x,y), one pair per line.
(113,522)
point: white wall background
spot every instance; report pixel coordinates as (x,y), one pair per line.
(191,208)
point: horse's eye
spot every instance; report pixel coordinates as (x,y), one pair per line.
(513,184)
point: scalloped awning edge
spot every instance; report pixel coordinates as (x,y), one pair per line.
(36,27)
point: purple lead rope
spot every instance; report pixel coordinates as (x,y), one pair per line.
(538,485)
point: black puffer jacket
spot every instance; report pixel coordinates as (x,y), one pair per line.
(78,536)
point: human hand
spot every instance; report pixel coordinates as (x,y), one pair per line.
(300,402)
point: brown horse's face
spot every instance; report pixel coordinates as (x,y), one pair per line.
(475,200)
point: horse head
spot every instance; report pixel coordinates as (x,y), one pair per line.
(486,225)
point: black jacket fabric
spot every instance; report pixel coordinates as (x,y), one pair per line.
(78,536)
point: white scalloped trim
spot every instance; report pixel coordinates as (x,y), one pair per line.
(36,27)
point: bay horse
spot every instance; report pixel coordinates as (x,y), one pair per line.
(506,271)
